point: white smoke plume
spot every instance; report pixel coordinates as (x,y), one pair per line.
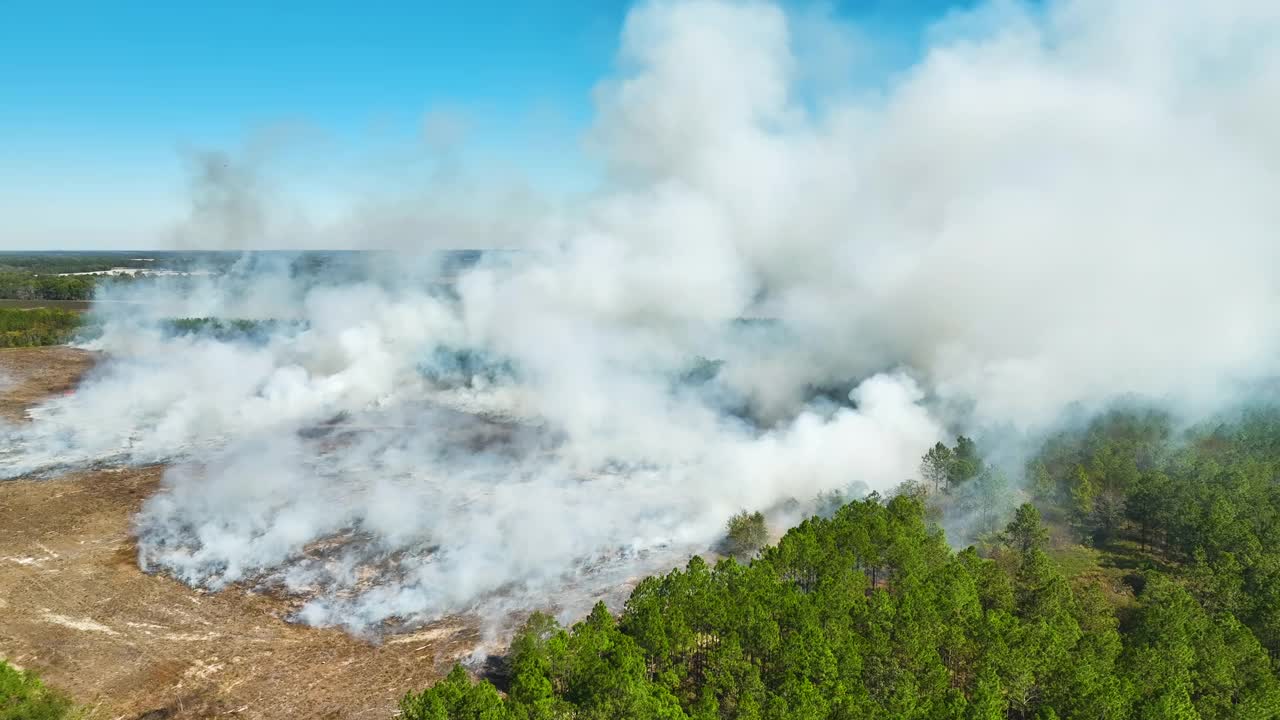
(1058,204)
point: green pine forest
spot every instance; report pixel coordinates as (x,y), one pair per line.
(1139,579)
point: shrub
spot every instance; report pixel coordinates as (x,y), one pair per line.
(745,534)
(24,697)
(37,326)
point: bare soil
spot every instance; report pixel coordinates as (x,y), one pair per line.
(75,607)
(28,375)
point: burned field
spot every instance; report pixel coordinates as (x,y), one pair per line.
(29,375)
(75,606)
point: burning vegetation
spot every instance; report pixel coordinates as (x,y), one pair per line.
(1052,237)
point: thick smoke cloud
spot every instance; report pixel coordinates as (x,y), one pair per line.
(1056,206)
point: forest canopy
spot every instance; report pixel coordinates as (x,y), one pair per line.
(1175,613)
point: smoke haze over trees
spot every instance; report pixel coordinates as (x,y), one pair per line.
(869,613)
(1058,206)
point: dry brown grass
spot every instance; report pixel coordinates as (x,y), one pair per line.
(28,375)
(75,607)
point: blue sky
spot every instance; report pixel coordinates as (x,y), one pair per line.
(97,100)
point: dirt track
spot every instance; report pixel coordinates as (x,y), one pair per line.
(75,607)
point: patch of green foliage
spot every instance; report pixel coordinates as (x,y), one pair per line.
(944,468)
(222,329)
(37,326)
(702,370)
(51,263)
(1076,560)
(24,697)
(958,483)
(745,533)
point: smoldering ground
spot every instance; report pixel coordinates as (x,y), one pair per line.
(1059,204)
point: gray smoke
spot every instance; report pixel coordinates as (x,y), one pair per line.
(1058,205)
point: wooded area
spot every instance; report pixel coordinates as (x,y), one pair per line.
(25,286)
(37,326)
(870,614)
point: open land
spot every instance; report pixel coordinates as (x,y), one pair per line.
(75,607)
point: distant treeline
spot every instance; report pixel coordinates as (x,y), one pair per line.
(226,329)
(37,326)
(297,262)
(28,286)
(20,327)
(53,263)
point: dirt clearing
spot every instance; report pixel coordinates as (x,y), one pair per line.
(75,607)
(28,375)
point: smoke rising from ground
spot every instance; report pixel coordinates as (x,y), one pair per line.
(1056,206)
